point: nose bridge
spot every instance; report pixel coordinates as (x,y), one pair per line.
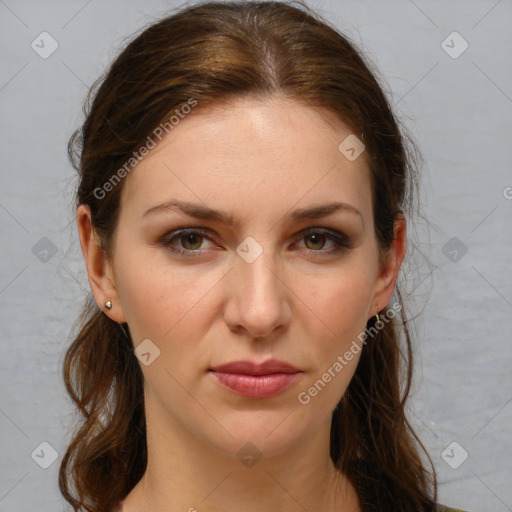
(261,295)
(260,276)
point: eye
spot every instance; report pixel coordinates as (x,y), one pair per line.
(190,240)
(316,238)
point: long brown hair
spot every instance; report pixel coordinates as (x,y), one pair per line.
(208,53)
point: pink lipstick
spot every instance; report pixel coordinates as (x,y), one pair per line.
(254,380)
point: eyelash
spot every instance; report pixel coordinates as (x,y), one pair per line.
(342,241)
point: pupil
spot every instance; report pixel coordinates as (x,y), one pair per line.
(315,238)
(191,239)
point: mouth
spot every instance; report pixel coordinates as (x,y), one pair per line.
(253,380)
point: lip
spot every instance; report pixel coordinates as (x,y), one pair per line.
(250,368)
(256,380)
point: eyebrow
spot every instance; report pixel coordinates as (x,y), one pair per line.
(204,212)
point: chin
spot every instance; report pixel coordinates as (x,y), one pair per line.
(262,433)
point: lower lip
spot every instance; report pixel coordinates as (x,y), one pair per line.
(256,386)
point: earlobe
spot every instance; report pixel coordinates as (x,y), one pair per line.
(390,267)
(99,270)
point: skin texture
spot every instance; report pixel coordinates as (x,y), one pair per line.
(257,160)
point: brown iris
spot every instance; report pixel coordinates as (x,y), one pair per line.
(316,237)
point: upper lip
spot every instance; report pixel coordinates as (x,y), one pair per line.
(250,368)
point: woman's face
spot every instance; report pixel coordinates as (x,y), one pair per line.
(272,283)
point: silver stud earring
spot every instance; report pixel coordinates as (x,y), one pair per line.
(108,305)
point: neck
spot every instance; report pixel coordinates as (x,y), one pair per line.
(184,474)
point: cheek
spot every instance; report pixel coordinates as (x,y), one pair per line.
(165,302)
(334,349)
(341,303)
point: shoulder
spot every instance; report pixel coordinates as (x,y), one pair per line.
(443,508)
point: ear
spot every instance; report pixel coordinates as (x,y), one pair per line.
(390,266)
(99,269)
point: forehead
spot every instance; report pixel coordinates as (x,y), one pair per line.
(250,152)
(275,124)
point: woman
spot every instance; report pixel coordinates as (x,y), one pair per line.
(244,188)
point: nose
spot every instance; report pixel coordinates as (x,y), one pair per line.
(259,297)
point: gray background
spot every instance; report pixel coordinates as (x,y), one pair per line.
(458,109)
